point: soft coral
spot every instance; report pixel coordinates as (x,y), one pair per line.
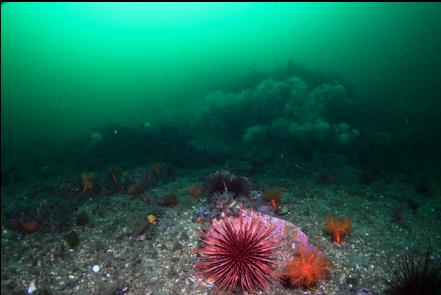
(308,267)
(338,228)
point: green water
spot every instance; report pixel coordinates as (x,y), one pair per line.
(69,68)
(134,134)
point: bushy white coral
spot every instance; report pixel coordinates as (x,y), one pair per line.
(95,138)
(255,133)
(345,134)
(285,109)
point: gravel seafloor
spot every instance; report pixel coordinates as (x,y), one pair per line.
(385,224)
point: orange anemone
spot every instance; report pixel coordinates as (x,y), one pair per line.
(30,227)
(338,228)
(272,195)
(194,191)
(157,168)
(308,267)
(87,181)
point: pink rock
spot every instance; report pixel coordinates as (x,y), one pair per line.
(289,234)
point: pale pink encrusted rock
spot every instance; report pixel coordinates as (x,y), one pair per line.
(286,232)
(289,236)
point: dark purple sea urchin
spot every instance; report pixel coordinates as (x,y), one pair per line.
(238,252)
(224,181)
(414,274)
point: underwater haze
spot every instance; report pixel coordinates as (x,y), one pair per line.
(138,124)
(69,67)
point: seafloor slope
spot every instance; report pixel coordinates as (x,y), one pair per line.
(107,246)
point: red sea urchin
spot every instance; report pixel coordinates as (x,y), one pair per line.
(238,252)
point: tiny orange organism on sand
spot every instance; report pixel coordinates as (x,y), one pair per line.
(200,220)
(30,227)
(169,200)
(135,189)
(195,191)
(338,227)
(113,177)
(272,195)
(151,218)
(157,168)
(87,181)
(307,267)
